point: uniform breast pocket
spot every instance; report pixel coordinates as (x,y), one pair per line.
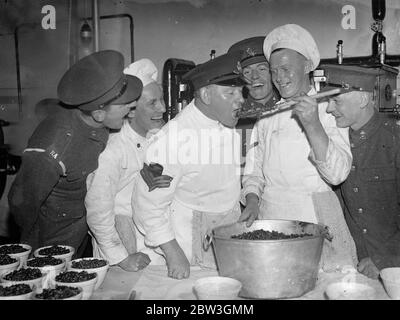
(380,183)
(59,209)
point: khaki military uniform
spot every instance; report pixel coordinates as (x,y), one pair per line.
(371,194)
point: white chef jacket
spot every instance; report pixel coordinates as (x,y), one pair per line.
(281,168)
(109,190)
(190,148)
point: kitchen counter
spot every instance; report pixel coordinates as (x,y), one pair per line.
(152,283)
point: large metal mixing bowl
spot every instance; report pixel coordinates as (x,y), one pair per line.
(270,269)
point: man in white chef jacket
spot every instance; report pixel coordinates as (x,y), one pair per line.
(296,155)
(200,150)
(108,199)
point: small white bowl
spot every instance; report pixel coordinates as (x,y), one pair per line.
(101,271)
(51,271)
(217,288)
(7,268)
(391,281)
(34,282)
(75,297)
(25,296)
(349,291)
(22,256)
(67,256)
(87,286)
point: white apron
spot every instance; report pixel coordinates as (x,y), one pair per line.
(191,226)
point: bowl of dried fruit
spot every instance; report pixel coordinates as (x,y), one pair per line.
(273,259)
(49,265)
(30,276)
(18,250)
(20,291)
(56,251)
(83,279)
(8,264)
(91,265)
(60,293)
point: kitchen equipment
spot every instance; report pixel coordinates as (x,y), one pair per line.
(280,106)
(270,269)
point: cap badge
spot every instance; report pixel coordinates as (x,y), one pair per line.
(250,52)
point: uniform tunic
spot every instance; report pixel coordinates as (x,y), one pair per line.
(47,196)
(251,103)
(202,157)
(371,194)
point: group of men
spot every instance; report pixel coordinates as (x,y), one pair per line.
(150,192)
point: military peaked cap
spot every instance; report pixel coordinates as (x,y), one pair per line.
(224,70)
(350,77)
(98,80)
(251,50)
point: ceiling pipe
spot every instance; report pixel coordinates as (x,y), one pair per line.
(96,25)
(17,64)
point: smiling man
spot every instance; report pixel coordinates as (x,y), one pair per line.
(108,200)
(198,149)
(255,68)
(298,154)
(370,196)
(47,196)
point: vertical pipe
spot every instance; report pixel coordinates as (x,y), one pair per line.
(378,14)
(96,25)
(131,33)
(378,9)
(18,73)
(73,34)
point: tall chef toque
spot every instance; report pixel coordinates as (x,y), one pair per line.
(144,69)
(292,36)
(98,80)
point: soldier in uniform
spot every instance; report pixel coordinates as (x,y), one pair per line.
(47,197)
(259,91)
(371,194)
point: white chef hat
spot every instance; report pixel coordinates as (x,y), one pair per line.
(144,69)
(292,36)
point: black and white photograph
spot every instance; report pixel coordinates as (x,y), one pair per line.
(198,156)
